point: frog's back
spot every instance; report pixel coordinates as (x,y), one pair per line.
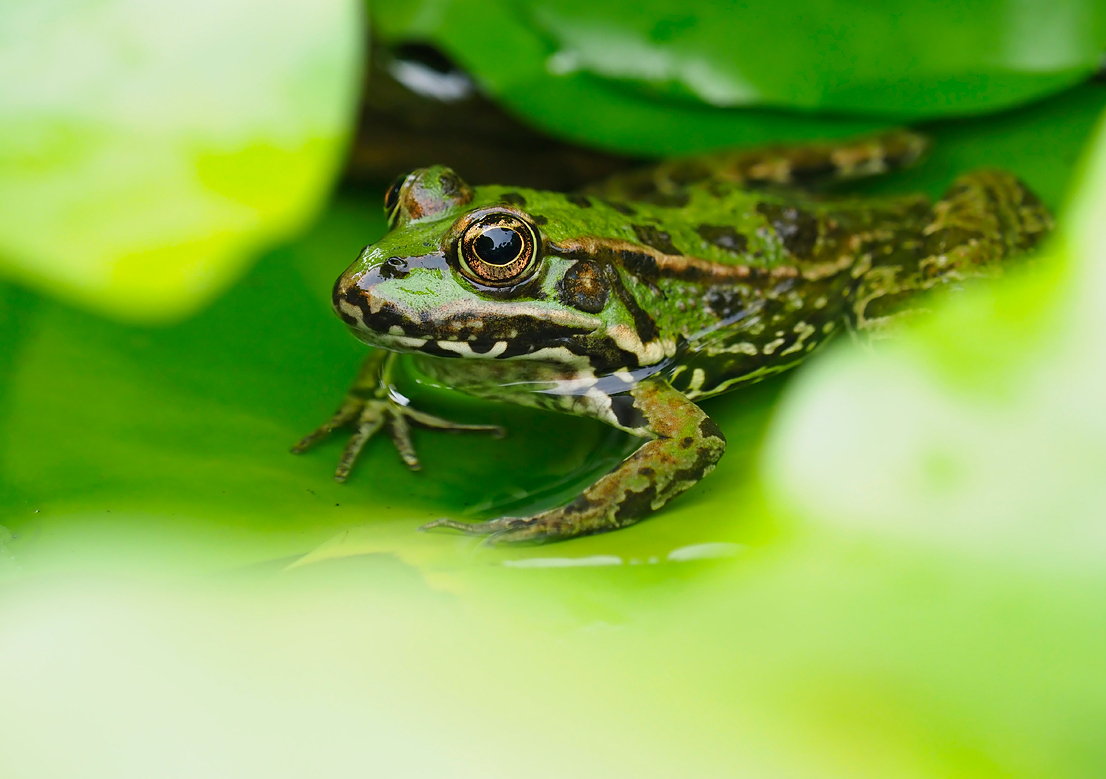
(752,280)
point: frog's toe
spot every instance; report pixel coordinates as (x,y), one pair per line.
(349,411)
(469,528)
(438,423)
(401,437)
(524,532)
(505,530)
(370,420)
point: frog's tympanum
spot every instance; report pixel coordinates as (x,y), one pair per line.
(636,299)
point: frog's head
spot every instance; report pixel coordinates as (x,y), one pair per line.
(467,273)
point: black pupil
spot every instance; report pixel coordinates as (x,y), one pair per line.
(498,245)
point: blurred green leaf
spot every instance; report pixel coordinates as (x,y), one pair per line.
(149,149)
(854,607)
(186,429)
(652,79)
(983,429)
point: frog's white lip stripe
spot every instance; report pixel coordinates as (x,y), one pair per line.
(454,325)
(463,349)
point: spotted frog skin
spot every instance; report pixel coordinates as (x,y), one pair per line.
(636,299)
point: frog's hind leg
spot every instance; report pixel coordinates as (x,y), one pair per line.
(684,447)
(792,165)
(986,219)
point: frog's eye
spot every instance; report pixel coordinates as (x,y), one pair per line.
(391,197)
(499,249)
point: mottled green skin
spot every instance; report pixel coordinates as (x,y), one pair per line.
(653,290)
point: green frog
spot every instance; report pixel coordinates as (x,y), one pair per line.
(631,301)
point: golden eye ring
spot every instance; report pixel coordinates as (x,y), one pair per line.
(499,249)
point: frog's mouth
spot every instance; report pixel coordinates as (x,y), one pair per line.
(495,329)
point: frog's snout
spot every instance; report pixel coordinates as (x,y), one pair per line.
(361,299)
(352,302)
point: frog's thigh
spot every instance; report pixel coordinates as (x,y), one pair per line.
(685,446)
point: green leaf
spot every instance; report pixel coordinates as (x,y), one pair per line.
(148,150)
(651,79)
(982,430)
(795,615)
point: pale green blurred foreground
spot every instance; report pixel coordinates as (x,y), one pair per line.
(894,573)
(150,149)
(931,607)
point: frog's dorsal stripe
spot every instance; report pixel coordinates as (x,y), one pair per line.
(649,264)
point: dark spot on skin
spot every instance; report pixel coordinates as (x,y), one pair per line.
(636,504)
(705,458)
(797,229)
(432,348)
(584,287)
(899,158)
(514,199)
(812,171)
(627,414)
(394,268)
(622,208)
(640,264)
(482,346)
(708,428)
(724,237)
(647,472)
(580,505)
(539,220)
(450,183)
(644,325)
(604,354)
(672,200)
(580,201)
(723,302)
(688,173)
(657,239)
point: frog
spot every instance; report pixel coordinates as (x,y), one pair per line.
(633,300)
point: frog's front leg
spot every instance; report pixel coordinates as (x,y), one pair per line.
(685,446)
(370,404)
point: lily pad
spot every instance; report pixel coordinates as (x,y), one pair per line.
(649,78)
(179,590)
(182,433)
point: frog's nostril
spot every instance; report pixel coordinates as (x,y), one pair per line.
(394,268)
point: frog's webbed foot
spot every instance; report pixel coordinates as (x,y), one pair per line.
(685,446)
(369,406)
